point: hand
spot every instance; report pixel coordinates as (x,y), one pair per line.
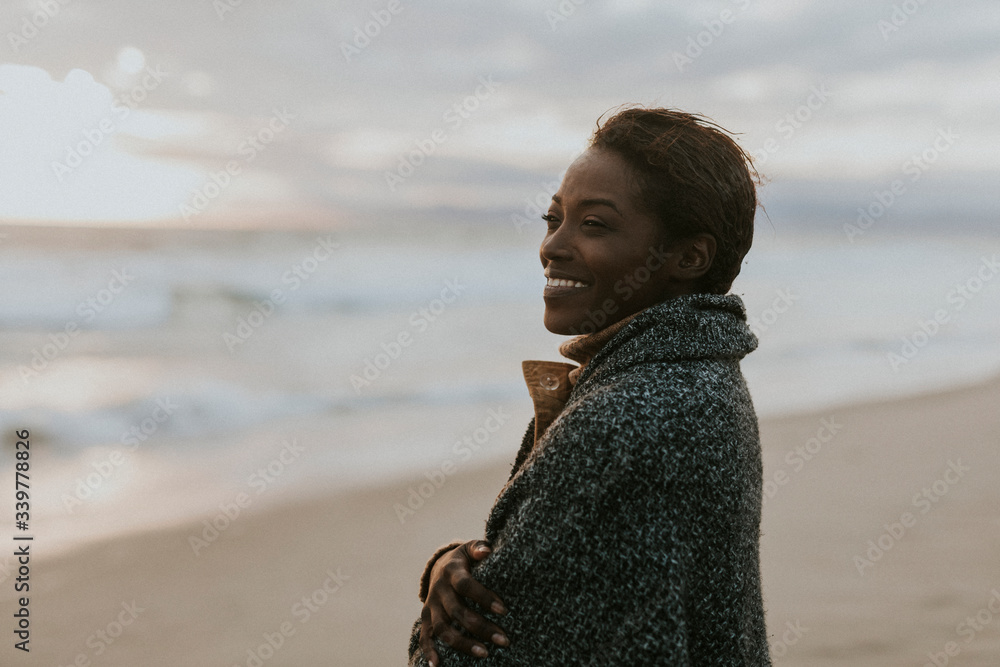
(450,583)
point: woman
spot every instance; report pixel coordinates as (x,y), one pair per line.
(628,531)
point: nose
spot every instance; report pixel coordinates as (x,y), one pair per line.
(556,245)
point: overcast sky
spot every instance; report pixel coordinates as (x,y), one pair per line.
(326,113)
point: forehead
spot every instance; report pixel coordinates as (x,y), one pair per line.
(598,173)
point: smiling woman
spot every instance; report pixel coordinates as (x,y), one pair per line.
(597,226)
(628,530)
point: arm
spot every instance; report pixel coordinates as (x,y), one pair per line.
(446,603)
(591,559)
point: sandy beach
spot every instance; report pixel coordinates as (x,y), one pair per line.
(880,542)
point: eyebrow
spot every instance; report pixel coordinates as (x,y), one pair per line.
(593,202)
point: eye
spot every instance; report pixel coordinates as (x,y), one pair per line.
(593,222)
(551,219)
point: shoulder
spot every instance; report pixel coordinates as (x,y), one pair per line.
(689,414)
(673,394)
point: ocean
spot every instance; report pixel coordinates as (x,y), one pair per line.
(163,374)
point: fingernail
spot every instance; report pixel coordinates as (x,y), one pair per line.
(500,639)
(498,608)
(479,651)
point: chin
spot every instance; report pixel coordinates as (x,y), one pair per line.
(562,331)
(564,325)
(553,324)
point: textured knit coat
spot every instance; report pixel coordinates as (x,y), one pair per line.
(628,534)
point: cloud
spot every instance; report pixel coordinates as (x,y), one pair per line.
(62,158)
(357,116)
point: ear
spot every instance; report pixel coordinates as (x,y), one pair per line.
(695,255)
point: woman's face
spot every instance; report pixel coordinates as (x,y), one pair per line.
(602,255)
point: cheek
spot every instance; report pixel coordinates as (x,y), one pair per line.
(617,265)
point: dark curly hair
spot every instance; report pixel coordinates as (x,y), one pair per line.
(690,175)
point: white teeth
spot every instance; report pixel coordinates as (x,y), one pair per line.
(558,282)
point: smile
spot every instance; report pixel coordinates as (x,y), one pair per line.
(561,288)
(557,282)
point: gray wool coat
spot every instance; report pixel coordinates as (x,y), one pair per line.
(629,534)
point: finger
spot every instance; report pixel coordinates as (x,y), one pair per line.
(467,586)
(475,591)
(480,550)
(475,550)
(473,623)
(481,628)
(451,636)
(427,639)
(447,616)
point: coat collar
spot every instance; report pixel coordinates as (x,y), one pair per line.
(550,382)
(686,327)
(691,326)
